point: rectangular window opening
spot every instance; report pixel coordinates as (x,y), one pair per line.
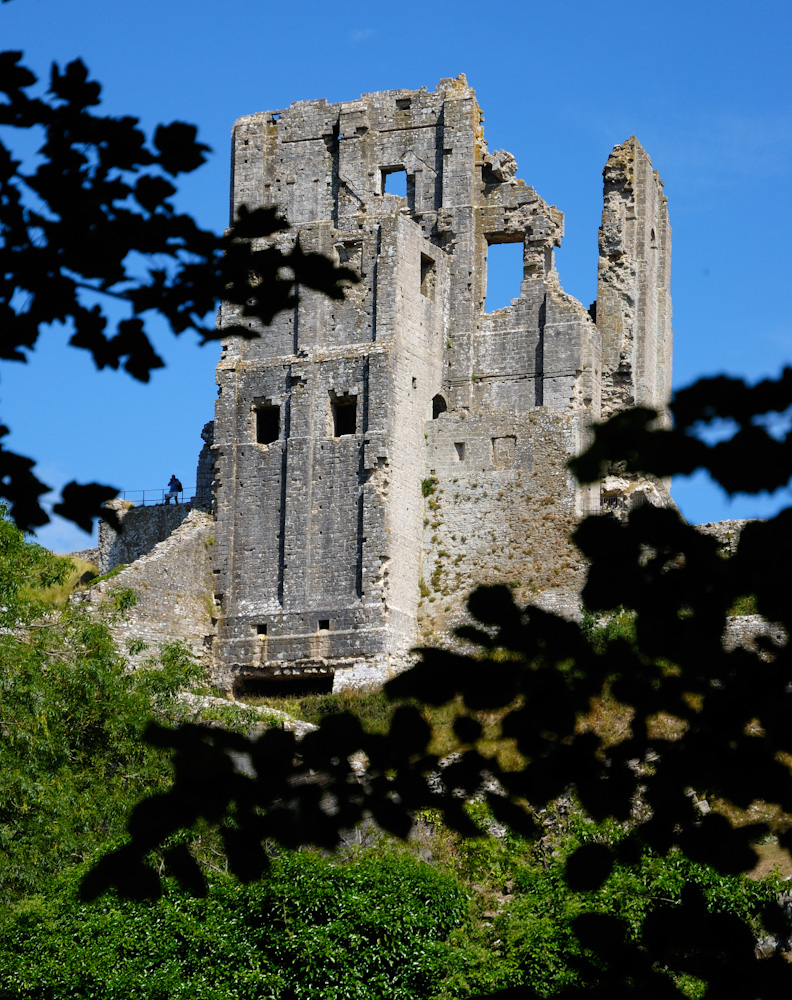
(460,450)
(267,423)
(261,630)
(427,276)
(504,274)
(344,415)
(394,181)
(403,103)
(324,625)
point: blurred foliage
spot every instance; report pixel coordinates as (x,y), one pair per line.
(699,720)
(91,221)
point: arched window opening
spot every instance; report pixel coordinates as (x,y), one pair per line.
(439,406)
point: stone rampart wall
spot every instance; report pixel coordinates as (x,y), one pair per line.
(143,528)
(726,532)
(173,587)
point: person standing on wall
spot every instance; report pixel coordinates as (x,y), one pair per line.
(174,489)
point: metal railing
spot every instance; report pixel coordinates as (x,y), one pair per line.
(152,497)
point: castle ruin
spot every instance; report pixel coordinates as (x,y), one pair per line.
(376,458)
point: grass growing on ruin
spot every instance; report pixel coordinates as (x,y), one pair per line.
(76,575)
(745,605)
(375,711)
(371,707)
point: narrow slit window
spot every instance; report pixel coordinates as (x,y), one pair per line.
(427,276)
(267,424)
(344,415)
(504,274)
(394,181)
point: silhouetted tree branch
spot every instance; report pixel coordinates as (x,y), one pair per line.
(93,220)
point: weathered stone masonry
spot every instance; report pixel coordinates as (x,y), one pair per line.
(377,457)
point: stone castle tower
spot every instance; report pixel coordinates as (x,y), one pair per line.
(377,457)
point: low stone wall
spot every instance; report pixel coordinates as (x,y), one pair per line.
(744,630)
(726,532)
(87,555)
(173,587)
(143,528)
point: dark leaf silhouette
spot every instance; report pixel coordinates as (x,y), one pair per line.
(709,731)
(78,226)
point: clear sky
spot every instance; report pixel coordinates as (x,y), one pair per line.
(705,86)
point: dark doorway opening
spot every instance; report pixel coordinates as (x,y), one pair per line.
(427,276)
(279,685)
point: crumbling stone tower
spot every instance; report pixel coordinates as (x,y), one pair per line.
(377,457)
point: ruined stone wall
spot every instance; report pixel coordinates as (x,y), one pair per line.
(417,377)
(333,425)
(727,533)
(633,310)
(173,587)
(143,528)
(501,510)
(204,477)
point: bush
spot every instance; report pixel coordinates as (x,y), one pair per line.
(72,758)
(368,927)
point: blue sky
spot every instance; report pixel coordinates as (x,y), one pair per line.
(704,86)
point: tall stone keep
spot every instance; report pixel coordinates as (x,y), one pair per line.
(377,457)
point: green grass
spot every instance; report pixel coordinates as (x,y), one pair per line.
(745,605)
(79,575)
(428,486)
(371,707)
